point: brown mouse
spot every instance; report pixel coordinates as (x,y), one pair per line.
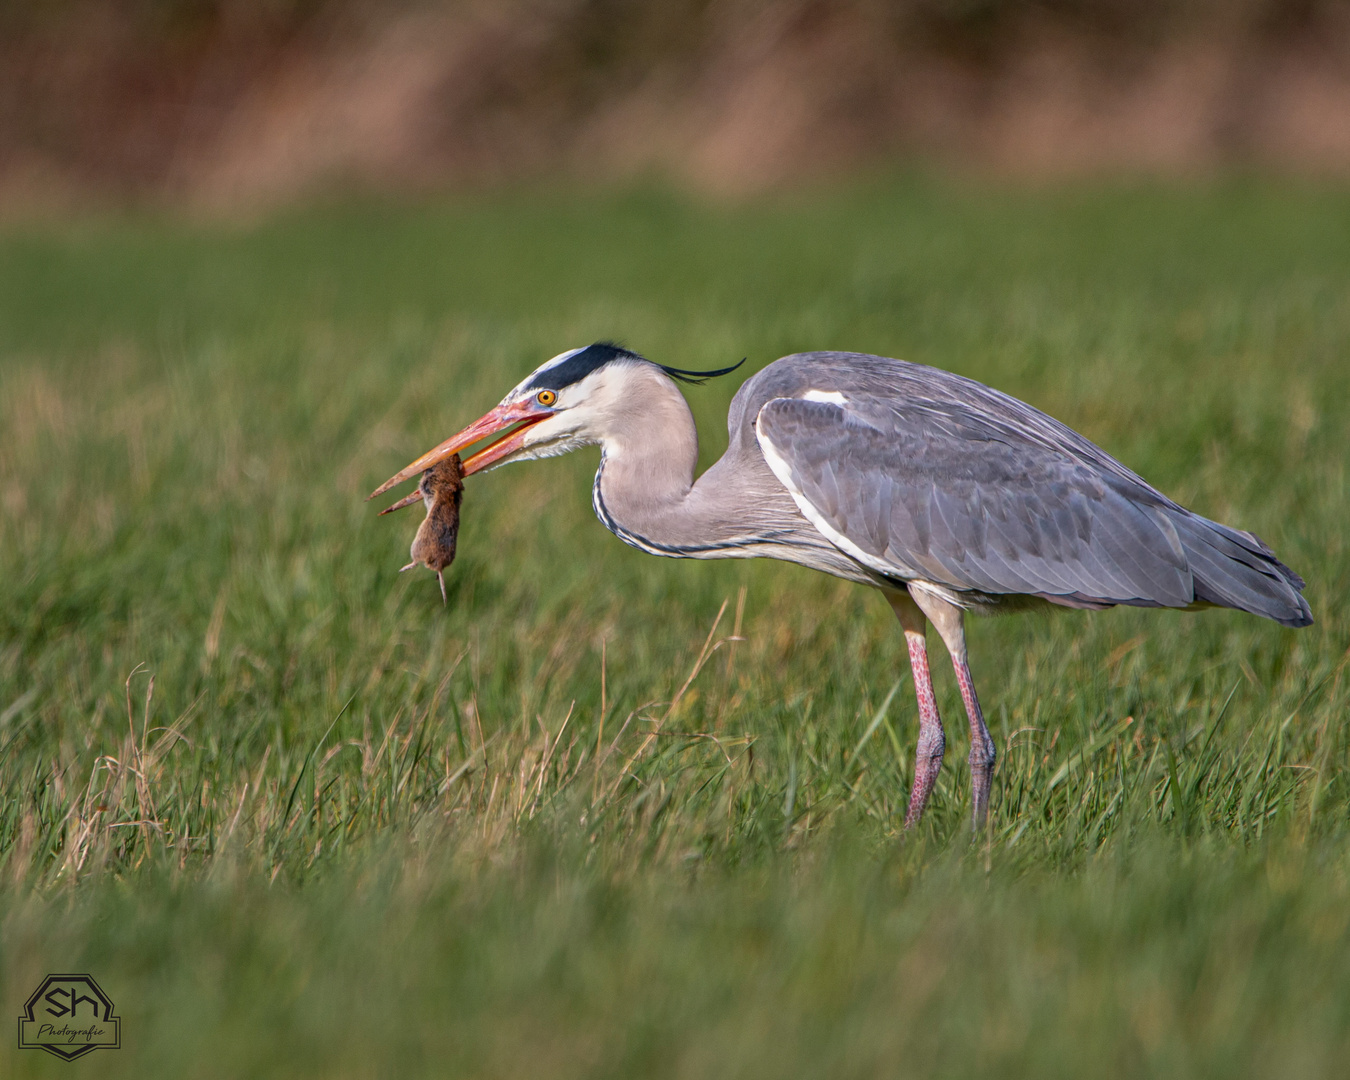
(441,489)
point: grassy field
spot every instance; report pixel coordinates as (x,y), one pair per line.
(611,815)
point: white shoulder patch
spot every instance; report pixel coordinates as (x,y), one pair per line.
(829,397)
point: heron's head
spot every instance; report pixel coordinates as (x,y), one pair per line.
(573,400)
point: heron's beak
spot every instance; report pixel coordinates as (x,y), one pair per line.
(509,421)
(407,500)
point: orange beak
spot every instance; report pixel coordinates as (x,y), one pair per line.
(510,422)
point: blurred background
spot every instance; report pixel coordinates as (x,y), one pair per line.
(301,818)
(236,103)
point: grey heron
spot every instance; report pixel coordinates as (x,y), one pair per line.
(944,494)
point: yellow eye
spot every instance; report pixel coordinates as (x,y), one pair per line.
(546,397)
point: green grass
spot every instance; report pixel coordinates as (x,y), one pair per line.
(353,832)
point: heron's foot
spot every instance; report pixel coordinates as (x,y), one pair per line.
(927,765)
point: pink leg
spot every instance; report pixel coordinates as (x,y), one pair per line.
(982,752)
(932,741)
(948,619)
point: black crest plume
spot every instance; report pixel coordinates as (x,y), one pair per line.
(698,377)
(584,361)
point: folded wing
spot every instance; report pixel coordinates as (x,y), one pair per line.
(932,490)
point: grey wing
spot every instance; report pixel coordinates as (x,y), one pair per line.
(928,491)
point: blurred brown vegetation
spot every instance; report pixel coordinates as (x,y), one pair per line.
(230,102)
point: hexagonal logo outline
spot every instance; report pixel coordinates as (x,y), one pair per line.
(63,995)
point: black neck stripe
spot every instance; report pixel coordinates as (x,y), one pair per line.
(675,551)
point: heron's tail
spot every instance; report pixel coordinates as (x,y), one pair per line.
(1235,569)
